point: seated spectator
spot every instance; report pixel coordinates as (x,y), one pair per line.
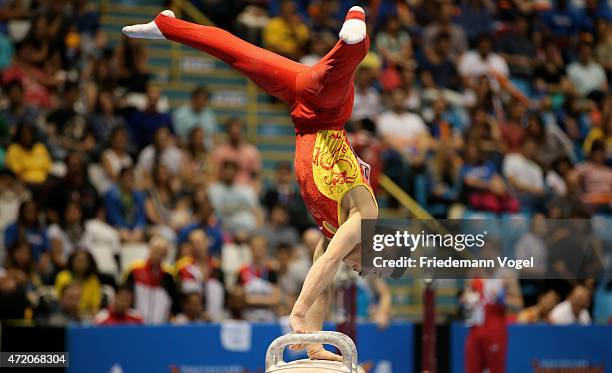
(483,188)
(12,194)
(67,128)
(393,43)
(367,99)
(540,312)
(198,167)
(66,235)
(155,291)
(120,312)
(165,206)
(481,61)
(603,46)
(517,48)
(125,207)
(68,311)
(485,131)
(475,17)
(236,204)
(595,178)
(197,114)
(20,267)
(561,22)
(286,34)
(587,76)
(206,220)
(444,173)
(18,110)
(144,124)
(512,131)
(82,269)
(164,151)
(526,177)
(201,273)
(319,45)
(284,191)
(406,136)
(132,70)
(278,231)
(289,289)
(550,70)
(437,69)
(258,284)
(192,308)
(444,25)
(13,299)
(114,158)
(532,245)
(239,151)
(574,309)
(550,143)
(27,158)
(322,19)
(105,120)
(30,229)
(98,233)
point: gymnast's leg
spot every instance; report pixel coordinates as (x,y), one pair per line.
(271,72)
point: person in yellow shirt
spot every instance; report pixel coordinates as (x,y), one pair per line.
(28,159)
(286,34)
(82,269)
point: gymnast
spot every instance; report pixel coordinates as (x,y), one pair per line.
(332,179)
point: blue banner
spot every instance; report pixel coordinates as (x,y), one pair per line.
(546,348)
(233,348)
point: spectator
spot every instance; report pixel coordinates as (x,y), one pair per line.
(278,231)
(153,286)
(164,151)
(201,273)
(105,120)
(445,171)
(73,187)
(198,168)
(550,71)
(367,99)
(444,25)
(481,61)
(286,34)
(236,204)
(67,127)
(18,110)
(284,191)
(518,49)
(437,69)
(29,228)
(595,178)
(144,124)
(587,76)
(114,158)
(165,205)
(66,235)
(532,245)
(206,220)
(603,46)
(125,207)
(239,151)
(394,44)
(475,18)
(82,269)
(68,311)
(27,158)
(192,310)
(319,45)
(574,309)
(550,143)
(12,194)
(513,130)
(99,234)
(120,312)
(20,267)
(540,312)
(258,284)
(196,114)
(133,74)
(483,188)
(526,177)
(322,20)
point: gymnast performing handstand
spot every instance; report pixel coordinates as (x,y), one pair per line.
(332,179)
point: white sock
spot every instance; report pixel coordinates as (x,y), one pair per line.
(147,30)
(353,30)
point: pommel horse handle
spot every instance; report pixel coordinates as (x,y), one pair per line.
(274,355)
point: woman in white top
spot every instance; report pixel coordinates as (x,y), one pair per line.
(115,157)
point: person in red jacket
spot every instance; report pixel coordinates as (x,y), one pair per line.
(120,312)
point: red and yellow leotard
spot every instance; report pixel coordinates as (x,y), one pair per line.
(321,102)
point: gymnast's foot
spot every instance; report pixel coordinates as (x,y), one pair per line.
(147,30)
(297,321)
(354,28)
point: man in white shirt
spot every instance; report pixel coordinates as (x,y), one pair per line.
(586,75)
(573,310)
(402,130)
(367,98)
(196,114)
(475,63)
(525,176)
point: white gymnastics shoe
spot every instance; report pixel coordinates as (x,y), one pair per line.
(354,29)
(147,30)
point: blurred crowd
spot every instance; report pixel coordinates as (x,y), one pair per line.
(116,209)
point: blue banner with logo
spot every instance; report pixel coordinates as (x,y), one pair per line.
(229,348)
(546,348)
